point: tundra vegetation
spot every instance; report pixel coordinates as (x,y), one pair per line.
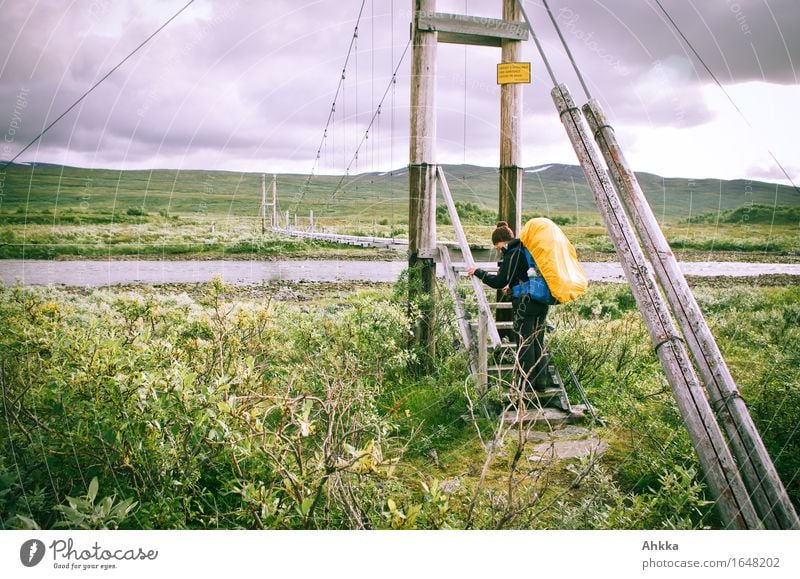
(50,212)
(204,407)
(211,406)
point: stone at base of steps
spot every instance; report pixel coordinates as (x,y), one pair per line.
(566,449)
(564,443)
(547,415)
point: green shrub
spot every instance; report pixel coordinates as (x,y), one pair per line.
(221,412)
(468,212)
(752,214)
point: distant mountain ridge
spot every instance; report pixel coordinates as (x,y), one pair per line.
(550,188)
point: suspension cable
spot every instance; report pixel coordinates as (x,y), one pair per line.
(342,78)
(391,122)
(567,50)
(95,85)
(375,115)
(538,44)
(722,88)
(464,128)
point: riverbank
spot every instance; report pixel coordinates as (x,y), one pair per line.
(115,272)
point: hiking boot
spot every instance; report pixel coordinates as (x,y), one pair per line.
(541,385)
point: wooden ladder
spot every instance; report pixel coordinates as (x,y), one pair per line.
(493,360)
(494,363)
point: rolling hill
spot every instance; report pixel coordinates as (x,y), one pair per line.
(554,189)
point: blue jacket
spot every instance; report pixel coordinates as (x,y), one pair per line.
(513,268)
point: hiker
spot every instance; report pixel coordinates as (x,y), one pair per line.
(529,316)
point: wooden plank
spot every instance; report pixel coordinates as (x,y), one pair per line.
(423,91)
(503,367)
(485,267)
(386,242)
(263,203)
(510,197)
(769,495)
(722,475)
(472,30)
(274,201)
(509,201)
(477,285)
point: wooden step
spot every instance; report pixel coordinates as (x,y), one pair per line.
(551,398)
(500,325)
(508,345)
(502,368)
(554,396)
(555,375)
(463,267)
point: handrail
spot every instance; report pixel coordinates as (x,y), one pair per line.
(461,318)
(346,239)
(477,286)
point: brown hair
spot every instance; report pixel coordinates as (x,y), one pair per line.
(502,233)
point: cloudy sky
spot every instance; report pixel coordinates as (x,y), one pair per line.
(248,85)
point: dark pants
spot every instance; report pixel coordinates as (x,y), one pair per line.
(529,326)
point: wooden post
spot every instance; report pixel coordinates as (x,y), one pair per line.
(766,489)
(311,219)
(263,203)
(510,192)
(274,201)
(510,199)
(422,177)
(722,476)
(483,353)
(286,219)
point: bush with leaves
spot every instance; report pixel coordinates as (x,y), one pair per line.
(205,412)
(221,412)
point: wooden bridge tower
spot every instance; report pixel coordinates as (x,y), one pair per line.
(429,28)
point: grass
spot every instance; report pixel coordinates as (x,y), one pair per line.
(51,212)
(212,406)
(558,190)
(154,236)
(160,238)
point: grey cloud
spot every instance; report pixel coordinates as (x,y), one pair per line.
(255,80)
(739,40)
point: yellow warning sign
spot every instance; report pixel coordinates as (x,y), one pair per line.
(514,73)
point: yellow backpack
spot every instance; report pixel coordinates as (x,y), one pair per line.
(555,258)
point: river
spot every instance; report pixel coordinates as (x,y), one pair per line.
(107,273)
